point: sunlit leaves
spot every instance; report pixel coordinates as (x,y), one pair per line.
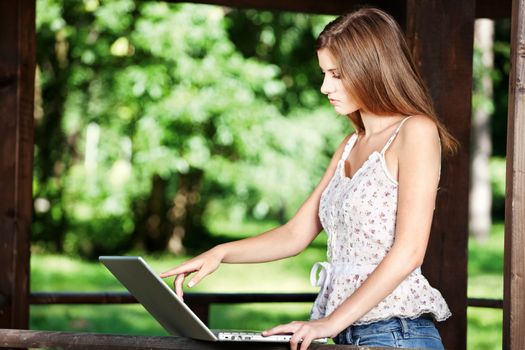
(114,16)
(167,93)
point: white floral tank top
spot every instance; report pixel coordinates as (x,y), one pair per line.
(359,216)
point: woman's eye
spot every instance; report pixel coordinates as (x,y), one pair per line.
(332,74)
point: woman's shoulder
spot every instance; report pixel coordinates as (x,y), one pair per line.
(419,135)
(420,123)
(418,129)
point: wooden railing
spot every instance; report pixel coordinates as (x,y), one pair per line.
(200,302)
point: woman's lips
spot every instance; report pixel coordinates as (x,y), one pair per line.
(332,101)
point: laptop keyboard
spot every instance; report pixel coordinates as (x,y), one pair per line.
(251,336)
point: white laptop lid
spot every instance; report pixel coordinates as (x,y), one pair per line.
(157,297)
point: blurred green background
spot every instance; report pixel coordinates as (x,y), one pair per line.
(164,129)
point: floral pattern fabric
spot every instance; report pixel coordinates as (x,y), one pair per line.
(359,216)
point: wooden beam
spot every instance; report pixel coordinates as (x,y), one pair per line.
(514,275)
(493,9)
(484,8)
(64,340)
(332,7)
(440,34)
(483,302)
(17,69)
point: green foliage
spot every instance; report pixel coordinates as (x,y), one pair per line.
(496,106)
(500,80)
(287,40)
(497,179)
(134,92)
(479,71)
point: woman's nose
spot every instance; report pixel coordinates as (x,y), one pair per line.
(327,86)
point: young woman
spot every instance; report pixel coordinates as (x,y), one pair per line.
(375,201)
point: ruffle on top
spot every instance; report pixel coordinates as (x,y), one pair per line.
(411,299)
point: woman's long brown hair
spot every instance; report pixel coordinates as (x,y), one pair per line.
(377,69)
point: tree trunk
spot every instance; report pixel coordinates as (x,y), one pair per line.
(480,190)
(173,223)
(186,214)
(153,229)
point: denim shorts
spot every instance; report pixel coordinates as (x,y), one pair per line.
(394,332)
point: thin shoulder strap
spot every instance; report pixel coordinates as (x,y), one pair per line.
(393,136)
(349,145)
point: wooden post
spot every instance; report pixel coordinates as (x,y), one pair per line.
(17,69)
(440,34)
(514,277)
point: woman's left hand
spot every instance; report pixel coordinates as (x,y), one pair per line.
(304,332)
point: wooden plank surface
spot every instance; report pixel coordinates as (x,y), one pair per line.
(65,340)
(514,276)
(440,34)
(17,68)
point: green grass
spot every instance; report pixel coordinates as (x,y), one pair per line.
(485,269)
(59,273)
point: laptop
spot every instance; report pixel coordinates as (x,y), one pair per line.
(167,308)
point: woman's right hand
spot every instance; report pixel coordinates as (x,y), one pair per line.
(203,265)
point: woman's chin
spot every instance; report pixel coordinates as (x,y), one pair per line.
(342,112)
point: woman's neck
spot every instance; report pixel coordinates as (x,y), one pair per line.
(375,124)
